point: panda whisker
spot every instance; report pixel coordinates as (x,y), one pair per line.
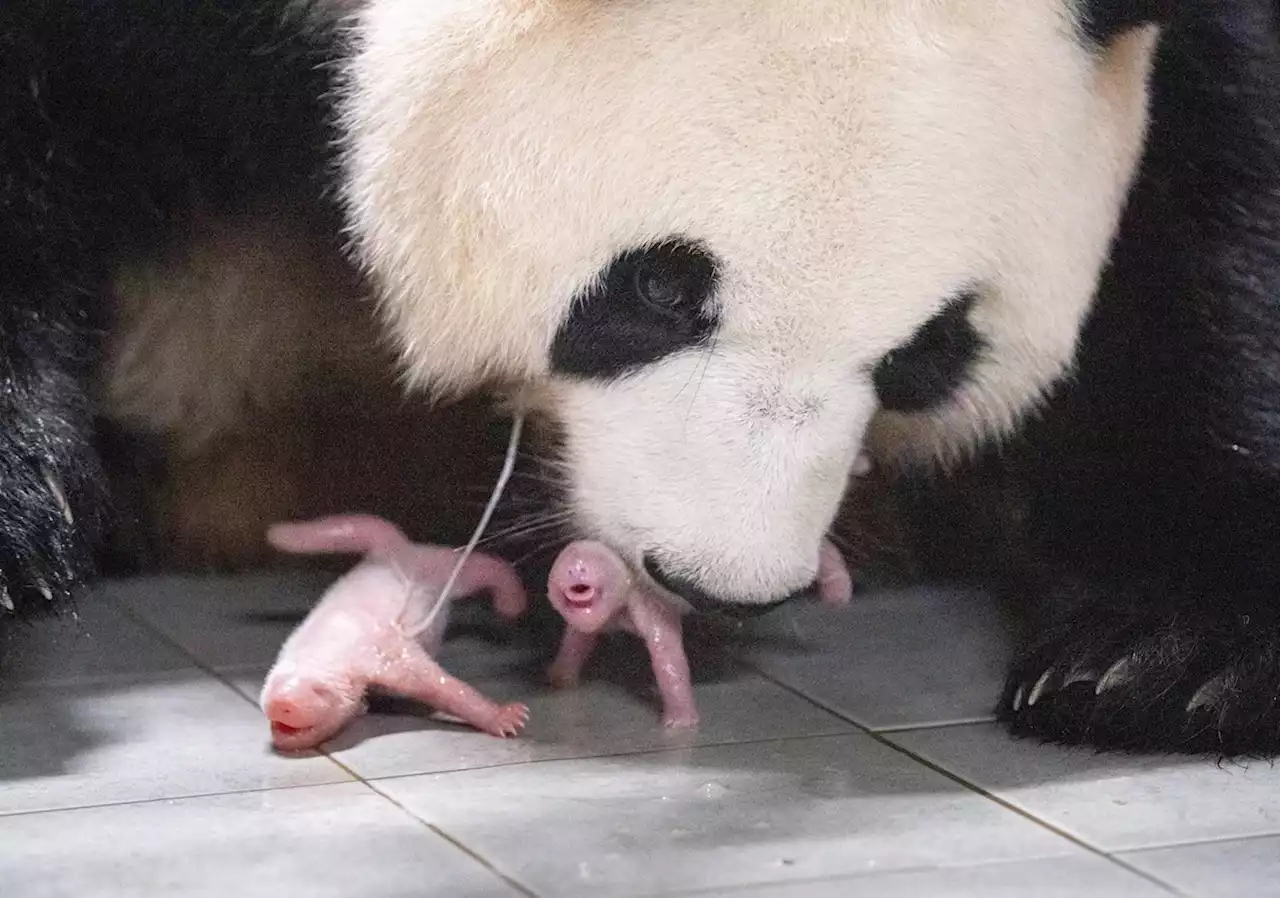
(524,529)
(701,370)
(545,546)
(529,525)
(540,478)
(546,466)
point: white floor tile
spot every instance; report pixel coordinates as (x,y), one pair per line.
(99,644)
(157,737)
(1064,877)
(224,621)
(323,842)
(894,658)
(1114,802)
(719,817)
(1244,868)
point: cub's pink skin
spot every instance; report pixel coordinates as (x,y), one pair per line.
(835,583)
(355,639)
(594,591)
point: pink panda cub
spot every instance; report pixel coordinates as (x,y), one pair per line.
(356,637)
(594,591)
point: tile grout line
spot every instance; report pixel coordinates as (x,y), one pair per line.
(452,840)
(850,879)
(943,725)
(1051,827)
(973,787)
(813,700)
(765,740)
(191,796)
(196,660)
(432,827)
(1211,840)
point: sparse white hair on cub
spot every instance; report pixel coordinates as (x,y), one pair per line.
(851,165)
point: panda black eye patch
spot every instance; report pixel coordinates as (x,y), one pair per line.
(1102,21)
(649,303)
(926,370)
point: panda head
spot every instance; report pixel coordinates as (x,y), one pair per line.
(737,242)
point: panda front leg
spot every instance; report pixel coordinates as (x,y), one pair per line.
(1151,666)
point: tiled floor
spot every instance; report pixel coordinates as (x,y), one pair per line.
(842,753)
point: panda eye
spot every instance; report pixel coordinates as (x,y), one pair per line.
(926,371)
(661,284)
(649,302)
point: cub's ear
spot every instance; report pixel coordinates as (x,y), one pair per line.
(1103,20)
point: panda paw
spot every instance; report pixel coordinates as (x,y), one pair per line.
(51,513)
(1196,675)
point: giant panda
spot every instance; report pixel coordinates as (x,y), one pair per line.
(731,249)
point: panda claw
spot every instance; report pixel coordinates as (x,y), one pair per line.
(1080,676)
(1174,674)
(59,495)
(1208,694)
(1116,675)
(1018,697)
(1041,687)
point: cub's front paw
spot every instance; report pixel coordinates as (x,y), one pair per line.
(509,721)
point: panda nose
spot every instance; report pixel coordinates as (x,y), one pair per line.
(706,603)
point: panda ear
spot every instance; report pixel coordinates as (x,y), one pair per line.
(1103,20)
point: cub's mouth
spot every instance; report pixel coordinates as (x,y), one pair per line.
(288,738)
(580,595)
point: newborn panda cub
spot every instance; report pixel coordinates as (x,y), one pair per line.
(362,633)
(594,591)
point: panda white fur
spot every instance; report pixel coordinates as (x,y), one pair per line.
(732,244)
